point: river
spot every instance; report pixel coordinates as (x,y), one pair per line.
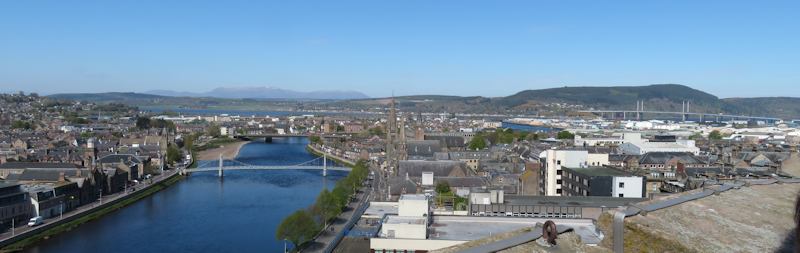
(205,214)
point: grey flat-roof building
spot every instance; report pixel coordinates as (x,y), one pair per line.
(551,206)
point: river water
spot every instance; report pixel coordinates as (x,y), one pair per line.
(205,214)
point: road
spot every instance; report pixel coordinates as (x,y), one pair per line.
(328,236)
(88,208)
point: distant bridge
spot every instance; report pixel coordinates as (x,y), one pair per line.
(319,163)
(268,136)
(684,114)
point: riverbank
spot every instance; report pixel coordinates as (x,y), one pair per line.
(74,219)
(314,150)
(228,151)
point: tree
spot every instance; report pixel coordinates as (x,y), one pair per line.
(565,135)
(213,131)
(298,228)
(715,135)
(442,187)
(19,124)
(478,142)
(188,142)
(327,207)
(315,139)
(376,131)
(143,122)
(173,154)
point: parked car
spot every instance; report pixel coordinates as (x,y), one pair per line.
(35,221)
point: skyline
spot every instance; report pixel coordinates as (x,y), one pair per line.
(415,48)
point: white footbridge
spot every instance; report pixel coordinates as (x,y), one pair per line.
(319,163)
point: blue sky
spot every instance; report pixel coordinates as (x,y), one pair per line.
(488,48)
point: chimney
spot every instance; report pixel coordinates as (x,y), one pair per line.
(61,177)
(680,172)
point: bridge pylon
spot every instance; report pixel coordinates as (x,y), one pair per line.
(324,165)
(220,166)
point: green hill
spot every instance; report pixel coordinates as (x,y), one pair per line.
(657,96)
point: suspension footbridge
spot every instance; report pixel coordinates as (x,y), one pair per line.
(319,163)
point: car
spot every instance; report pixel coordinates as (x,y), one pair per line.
(35,221)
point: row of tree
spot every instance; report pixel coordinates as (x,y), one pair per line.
(301,226)
(144,122)
(482,140)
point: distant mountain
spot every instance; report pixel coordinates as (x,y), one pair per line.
(665,97)
(117,97)
(263,93)
(782,107)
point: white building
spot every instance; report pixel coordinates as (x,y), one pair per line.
(554,160)
(641,148)
(608,141)
(414,205)
(627,187)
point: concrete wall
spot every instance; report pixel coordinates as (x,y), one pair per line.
(405,231)
(632,187)
(597,159)
(412,207)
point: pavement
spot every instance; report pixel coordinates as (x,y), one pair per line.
(327,236)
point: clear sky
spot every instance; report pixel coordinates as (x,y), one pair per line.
(488,48)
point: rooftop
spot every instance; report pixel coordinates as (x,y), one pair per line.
(380,209)
(596,171)
(467,228)
(583,201)
(413,197)
(394,219)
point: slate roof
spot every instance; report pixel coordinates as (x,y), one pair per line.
(463,181)
(663,157)
(439,168)
(26,165)
(116,158)
(426,148)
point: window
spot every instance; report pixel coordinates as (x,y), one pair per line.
(558,181)
(621,195)
(621,184)
(558,162)
(558,172)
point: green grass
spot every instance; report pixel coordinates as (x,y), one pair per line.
(20,245)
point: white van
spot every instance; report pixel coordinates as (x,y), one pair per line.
(35,221)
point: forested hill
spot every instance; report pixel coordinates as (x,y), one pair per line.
(658,96)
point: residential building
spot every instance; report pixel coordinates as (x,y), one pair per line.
(602,181)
